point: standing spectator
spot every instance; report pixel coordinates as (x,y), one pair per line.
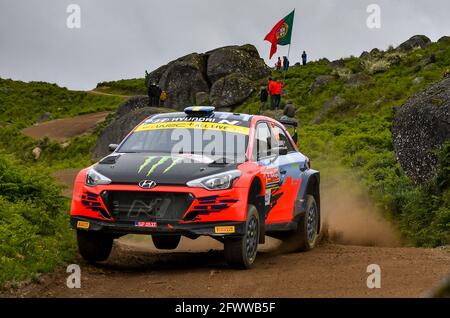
(272,89)
(285,63)
(154,93)
(278,64)
(263,96)
(163,97)
(304,58)
(277,90)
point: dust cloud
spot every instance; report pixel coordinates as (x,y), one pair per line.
(350,217)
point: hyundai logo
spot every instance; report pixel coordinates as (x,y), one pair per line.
(147,184)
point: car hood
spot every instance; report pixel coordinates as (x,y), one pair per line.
(164,169)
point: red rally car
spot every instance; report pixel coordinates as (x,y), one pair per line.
(234,177)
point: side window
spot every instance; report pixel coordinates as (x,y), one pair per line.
(263,141)
(281,138)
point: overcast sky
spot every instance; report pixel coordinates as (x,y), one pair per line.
(120,39)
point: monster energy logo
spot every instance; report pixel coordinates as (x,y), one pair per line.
(153,162)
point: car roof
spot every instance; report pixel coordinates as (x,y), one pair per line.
(221,115)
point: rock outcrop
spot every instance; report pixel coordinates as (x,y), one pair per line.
(132,103)
(420,126)
(218,74)
(230,90)
(329,105)
(416,41)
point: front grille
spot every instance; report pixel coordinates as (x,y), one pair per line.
(147,206)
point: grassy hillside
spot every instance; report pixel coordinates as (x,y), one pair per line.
(355,132)
(130,87)
(34,226)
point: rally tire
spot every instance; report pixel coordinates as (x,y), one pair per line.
(94,246)
(166,242)
(305,237)
(241,252)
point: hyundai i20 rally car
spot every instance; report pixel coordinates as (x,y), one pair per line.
(233,177)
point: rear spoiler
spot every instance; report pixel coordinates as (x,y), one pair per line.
(289,122)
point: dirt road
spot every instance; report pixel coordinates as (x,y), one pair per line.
(197,269)
(66,128)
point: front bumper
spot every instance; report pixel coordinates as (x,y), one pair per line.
(214,229)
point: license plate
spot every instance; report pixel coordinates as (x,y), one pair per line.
(224,229)
(146,224)
(83,225)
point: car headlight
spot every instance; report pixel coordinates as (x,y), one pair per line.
(94,178)
(218,181)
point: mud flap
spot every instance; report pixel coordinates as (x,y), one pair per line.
(260,206)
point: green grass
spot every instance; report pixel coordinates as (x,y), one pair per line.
(22,103)
(35,235)
(135,86)
(34,226)
(357,136)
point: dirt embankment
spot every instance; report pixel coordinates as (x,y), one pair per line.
(66,128)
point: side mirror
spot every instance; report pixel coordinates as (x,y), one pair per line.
(281,151)
(112,147)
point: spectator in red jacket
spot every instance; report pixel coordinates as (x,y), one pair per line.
(278,64)
(275,89)
(271,86)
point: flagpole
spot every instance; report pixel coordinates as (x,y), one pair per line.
(289,49)
(289,52)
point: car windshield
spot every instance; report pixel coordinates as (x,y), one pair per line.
(216,144)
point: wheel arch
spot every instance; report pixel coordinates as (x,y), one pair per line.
(310,186)
(256,197)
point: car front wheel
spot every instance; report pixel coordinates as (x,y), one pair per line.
(241,252)
(304,238)
(94,246)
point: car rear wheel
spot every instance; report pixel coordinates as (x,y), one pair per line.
(241,252)
(166,242)
(94,246)
(304,238)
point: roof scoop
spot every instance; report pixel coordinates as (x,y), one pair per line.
(199,111)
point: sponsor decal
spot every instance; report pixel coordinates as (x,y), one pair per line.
(153,162)
(267,196)
(272,177)
(146,224)
(224,229)
(194,125)
(83,225)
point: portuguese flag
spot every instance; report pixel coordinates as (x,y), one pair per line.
(281,33)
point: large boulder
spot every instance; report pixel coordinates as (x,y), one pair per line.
(131,104)
(230,91)
(421,126)
(416,41)
(191,78)
(183,79)
(244,60)
(117,130)
(445,39)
